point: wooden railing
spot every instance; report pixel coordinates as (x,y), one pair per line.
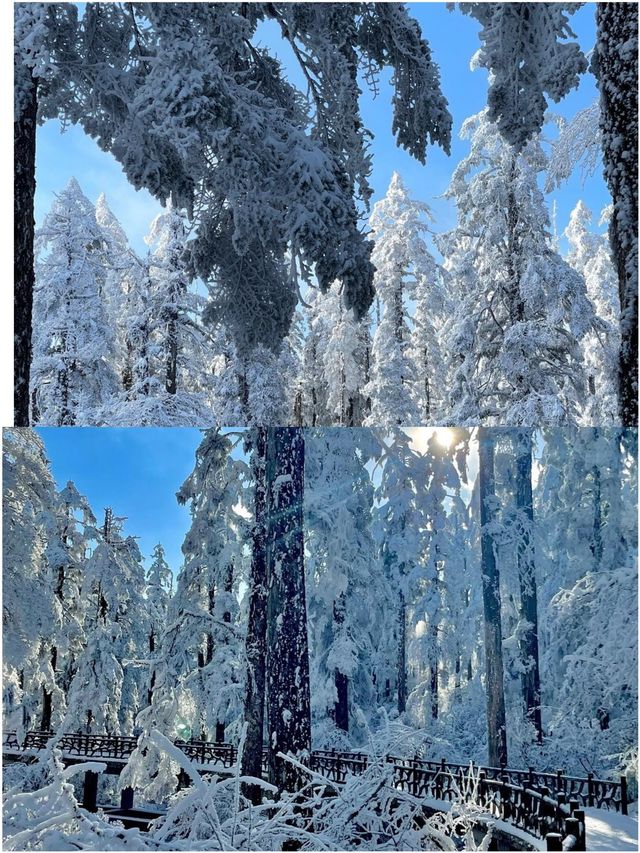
(546,805)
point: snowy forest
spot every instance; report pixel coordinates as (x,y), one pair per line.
(422,593)
(273,291)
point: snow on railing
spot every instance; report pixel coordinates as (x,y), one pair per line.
(546,805)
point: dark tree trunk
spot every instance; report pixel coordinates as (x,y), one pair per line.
(24,136)
(496,716)
(288,697)
(171,380)
(45,720)
(257,626)
(433,674)
(615,64)
(596,542)
(528,585)
(402,654)
(341,709)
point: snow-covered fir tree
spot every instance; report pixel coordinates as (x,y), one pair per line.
(514,338)
(590,256)
(205,611)
(73,376)
(398,227)
(342,582)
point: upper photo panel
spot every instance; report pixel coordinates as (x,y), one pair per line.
(316,214)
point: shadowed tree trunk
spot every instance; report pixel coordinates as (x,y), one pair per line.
(528,585)
(402,654)
(257,626)
(496,716)
(288,697)
(24,136)
(615,63)
(341,709)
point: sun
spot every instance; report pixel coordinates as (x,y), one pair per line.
(421,436)
(444,436)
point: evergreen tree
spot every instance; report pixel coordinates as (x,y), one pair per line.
(515,335)
(103,695)
(73,378)
(400,525)
(589,255)
(30,612)
(343,581)
(400,253)
(206,600)
(526,49)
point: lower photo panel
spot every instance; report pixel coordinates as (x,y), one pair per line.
(320,639)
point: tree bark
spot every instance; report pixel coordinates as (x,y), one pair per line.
(257,626)
(615,64)
(528,586)
(496,716)
(402,654)
(596,541)
(288,695)
(341,708)
(24,136)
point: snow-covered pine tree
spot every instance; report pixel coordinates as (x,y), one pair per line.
(344,355)
(68,544)
(615,63)
(205,607)
(31,612)
(527,51)
(398,226)
(103,695)
(425,348)
(399,522)
(313,391)
(158,594)
(122,288)
(585,508)
(344,581)
(429,578)
(73,378)
(514,338)
(589,255)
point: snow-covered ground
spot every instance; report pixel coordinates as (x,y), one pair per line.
(611,831)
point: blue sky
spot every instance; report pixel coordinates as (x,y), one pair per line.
(453,39)
(135,471)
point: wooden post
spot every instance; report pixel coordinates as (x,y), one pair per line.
(126,799)
(90,791)
(623,795)
(582,837)
(590,789)
(554,841)
(414,778)
(573,805)
(572,827)
(482,787)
